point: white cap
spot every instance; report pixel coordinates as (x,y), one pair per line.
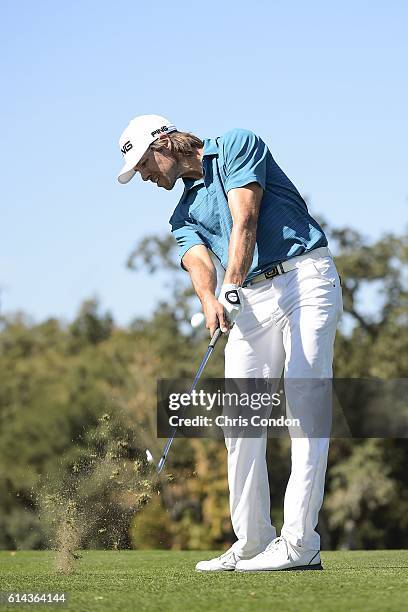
(136,139)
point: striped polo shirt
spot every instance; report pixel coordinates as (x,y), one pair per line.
(239,157)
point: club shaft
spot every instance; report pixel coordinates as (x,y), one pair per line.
(200,370)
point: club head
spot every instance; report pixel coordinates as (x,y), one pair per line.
(161,463)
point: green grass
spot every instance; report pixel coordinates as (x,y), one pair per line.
(166,581)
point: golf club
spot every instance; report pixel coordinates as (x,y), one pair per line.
(213,342)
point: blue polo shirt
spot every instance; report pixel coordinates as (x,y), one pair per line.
(285,229)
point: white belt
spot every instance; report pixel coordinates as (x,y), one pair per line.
(289,264)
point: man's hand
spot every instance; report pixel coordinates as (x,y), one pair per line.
(215,315)
(223,312)
(232,299)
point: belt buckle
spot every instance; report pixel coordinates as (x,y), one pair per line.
(272,272)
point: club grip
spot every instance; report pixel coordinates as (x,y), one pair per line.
(215,338)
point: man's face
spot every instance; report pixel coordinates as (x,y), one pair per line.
(160,167)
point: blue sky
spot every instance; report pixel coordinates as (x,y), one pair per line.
(323,83)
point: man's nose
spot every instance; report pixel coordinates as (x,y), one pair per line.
(143,175)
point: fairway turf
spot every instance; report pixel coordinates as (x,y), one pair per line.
(166,580)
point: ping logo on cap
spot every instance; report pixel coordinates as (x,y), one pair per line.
(126,147)
(160,130)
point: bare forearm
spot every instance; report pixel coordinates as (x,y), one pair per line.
(204,279)
(241,251)
(244,204)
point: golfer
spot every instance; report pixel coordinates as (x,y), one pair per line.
(280,300)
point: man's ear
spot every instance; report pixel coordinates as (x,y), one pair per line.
(166,142)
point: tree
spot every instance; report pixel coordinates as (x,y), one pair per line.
(78,410)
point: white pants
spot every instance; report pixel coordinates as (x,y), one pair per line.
(287,324)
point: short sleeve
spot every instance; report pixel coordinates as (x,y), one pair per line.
(245,156)
(186,237)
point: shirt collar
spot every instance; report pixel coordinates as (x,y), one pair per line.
(189,183)
(210,147)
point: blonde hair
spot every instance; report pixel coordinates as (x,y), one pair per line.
(182,143)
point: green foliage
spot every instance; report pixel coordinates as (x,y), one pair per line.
(89,327)
(58,381)
(378,344)
(360,484)
(151,529)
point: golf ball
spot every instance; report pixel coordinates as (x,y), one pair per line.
(149,456)
(197,320)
